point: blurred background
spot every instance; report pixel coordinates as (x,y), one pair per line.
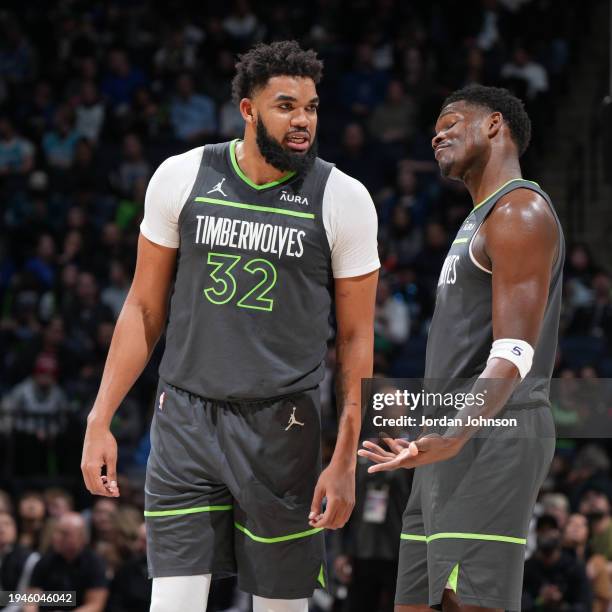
(94,95)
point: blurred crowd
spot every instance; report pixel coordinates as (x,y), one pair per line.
(93,96)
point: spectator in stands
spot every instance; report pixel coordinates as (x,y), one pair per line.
(119,283)
(16,561)
(193,116)
(31,514)
(405,195)
(554,578)
(86,313)
(133,168)
(38,409)
(430,260)
(6,503)
(145,116)
(595,505)
(42,265)
(40,111)
(590,470)
(59,145)
(231,123)
(532,74)
(595,319)
(130,590)
(575,540)
(102,520)
(121,81)
(16,153)
(356,159)
(90,112)
(403,241)
(394,121)
(71,566)
(17,56)
(58,502)
(175,55)
(557,505)
(369,566)
(364,87)
(242,25)
(391,319)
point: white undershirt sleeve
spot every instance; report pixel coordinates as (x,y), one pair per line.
(166,195)
(351,225)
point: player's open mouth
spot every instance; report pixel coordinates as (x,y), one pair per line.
(298,142)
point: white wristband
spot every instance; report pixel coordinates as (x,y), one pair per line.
(518,352)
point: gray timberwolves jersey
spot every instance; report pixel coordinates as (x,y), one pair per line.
(461,331)
(252,296)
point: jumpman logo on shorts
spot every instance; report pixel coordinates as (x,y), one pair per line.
(293,420)
(217,187)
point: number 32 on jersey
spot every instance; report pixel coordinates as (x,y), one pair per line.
(225,286)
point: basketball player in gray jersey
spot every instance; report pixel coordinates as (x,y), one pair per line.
(261,233)
(495,322)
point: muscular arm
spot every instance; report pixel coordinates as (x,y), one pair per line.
(519,242)
(138,328)
(355,299)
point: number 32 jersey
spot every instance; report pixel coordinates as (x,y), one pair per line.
(251,301)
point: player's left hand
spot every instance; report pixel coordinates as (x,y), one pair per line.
(404,454)
(338,486)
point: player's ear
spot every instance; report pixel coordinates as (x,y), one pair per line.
(246,110)
(494,124)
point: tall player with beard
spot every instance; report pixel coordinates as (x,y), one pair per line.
(495,327)
(262,233)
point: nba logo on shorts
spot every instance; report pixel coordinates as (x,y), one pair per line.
(162,397)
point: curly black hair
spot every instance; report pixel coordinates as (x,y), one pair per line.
(498,99)
(262,62)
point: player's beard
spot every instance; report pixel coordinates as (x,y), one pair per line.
(280,157)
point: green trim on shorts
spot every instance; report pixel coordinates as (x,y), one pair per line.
(321,577)
(463,536)
(181,511)
(409,536)
(285,538)
(453,578)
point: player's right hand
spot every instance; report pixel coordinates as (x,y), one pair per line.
(100,449)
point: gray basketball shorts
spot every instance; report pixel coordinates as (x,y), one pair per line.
(228,491)
(466,521)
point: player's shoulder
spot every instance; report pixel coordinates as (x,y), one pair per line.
(521,217)
(178,171)
(346,186)
(190,158)
(523,204)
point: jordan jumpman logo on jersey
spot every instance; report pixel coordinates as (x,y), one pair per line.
(217,187)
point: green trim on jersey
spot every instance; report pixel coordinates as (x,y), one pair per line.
(246,179)
(463,536)
(453,578)
(285,538)
(182,511)
(460,240)
(270,209)
(498,190)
